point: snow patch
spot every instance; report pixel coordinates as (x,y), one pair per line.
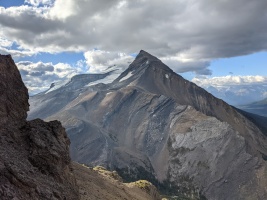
(58,85)
(108,79)
(166,75)
(126,77)
(114,73)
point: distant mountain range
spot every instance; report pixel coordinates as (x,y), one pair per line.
(150,123)
(259,107)
(237,95)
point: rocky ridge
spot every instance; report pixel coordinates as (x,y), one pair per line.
(152,124)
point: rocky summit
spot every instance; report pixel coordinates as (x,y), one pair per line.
(150,123)
(34,155)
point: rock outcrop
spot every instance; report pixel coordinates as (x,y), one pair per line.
(152,124)
(13,94)
(99,183)
(34,155)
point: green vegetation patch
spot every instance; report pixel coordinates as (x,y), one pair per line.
(103,171)
(143,184)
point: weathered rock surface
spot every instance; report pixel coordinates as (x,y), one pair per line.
(13,94)
(34,155)
(152,124)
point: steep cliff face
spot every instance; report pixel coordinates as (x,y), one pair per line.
(13,94)
(34,155)
(151,75)
(150,123)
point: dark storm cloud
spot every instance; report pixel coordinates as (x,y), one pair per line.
(198,30)
(199,67)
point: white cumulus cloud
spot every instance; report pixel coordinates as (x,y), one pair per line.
(39,76)
(235,90)
(16,53)
(39,2)
(5,43)
(99,61)
(229,80)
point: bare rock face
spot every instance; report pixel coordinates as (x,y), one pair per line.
(13,93)
(152,124)
(34,155)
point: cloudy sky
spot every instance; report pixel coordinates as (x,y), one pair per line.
(204,40)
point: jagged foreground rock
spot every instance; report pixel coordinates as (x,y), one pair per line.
(150,123)
(34,155)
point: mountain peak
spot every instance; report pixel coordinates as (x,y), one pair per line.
(143,61)
(143,55)
(150,123)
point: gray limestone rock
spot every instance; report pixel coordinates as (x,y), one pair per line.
(150,123)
